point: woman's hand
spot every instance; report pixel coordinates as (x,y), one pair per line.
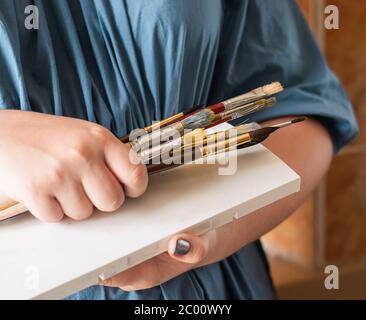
(185,251)
(60,166)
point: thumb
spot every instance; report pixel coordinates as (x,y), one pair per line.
(188,248)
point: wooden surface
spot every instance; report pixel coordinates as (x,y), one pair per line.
(344,234)
(54,260)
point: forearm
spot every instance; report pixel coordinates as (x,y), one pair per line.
(307,149)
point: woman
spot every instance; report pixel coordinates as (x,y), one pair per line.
(122,64)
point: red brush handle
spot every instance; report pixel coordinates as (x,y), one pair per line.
(217,108)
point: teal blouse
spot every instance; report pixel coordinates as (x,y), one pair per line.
(125,63)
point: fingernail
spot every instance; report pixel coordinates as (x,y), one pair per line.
(182,247)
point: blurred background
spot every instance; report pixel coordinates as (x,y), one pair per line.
(330,228)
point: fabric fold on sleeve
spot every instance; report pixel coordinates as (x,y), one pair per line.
(281,47)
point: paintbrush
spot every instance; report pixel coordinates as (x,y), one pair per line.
(198,137)
(197,120)
(220,142)
(160,149)
(165,122)
(205,118)
(256,94)
(195,137)
(241,111)
(259,135)
(155,152)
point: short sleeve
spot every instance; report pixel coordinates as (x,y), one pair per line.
(261,43)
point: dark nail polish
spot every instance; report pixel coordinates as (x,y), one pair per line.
(182,247)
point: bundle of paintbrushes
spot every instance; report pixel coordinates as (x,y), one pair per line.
(181,135)
(206,117)
(184,137)
(203,145)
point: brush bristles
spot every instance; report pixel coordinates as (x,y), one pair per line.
(200,119)
(270,102)
(298,120)
(272,88)
(255,107)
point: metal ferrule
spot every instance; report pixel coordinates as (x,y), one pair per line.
(225,145)
(157,137)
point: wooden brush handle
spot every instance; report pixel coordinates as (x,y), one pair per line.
(10,208)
